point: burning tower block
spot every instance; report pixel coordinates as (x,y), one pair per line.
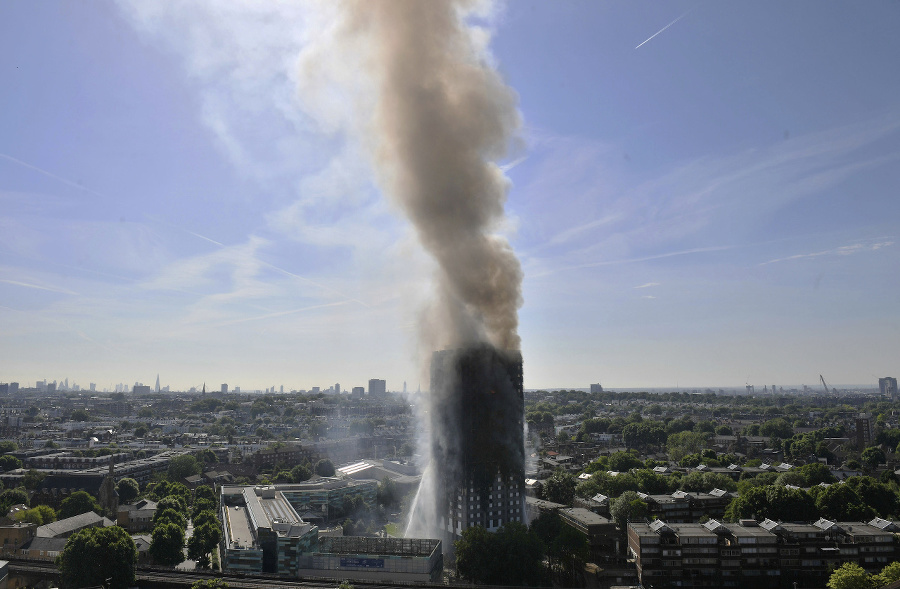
(477,436)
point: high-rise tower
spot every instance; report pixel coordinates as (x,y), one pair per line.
(888,386)
(477,437)
(157,382)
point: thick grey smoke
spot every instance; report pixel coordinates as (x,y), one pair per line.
(442,117)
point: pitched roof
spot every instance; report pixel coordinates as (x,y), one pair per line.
(71,524)
(51,544)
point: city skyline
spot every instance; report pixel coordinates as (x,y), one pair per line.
(704,203)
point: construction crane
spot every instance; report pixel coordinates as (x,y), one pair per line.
(822,378)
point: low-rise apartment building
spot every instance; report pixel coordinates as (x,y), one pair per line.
(753,554)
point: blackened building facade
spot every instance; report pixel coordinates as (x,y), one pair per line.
(478,444)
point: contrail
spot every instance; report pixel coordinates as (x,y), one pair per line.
(38,286)
(665,27)
(50,175)
(262,263)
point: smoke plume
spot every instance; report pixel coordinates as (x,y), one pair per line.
(436,117)
(442,117)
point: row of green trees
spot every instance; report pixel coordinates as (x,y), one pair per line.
(549,552)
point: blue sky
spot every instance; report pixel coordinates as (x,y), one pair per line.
(718,205)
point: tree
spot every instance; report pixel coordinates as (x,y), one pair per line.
(888,575)
(624,461)
(203,540)
(324,468)
(843,503)
(204,517)
(169,516)
(849,576)
(128,490)
(8,446)
(773,502)
(205,492)
(93,555)
(300,473)
(8,462)
(560,488)
(140,431)
(38,515)
(11,497)
(776,428)
(627,506)
(568,553)
(683,443)
(388,495)
(511,556)
(77,503)
(873,456)
(791,477)
(174,502)
(815,473)
(182,467)
(80,415)
(547,526)
(167,545)
(875,494)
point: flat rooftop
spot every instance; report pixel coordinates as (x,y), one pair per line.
(239,526)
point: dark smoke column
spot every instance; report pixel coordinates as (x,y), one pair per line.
(478,450)
(439,121)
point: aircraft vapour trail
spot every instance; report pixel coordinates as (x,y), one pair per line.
(50,174)
(663,29)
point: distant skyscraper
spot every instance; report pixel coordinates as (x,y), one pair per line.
(224,387)
(404,387)
(377,388)
(93,387)
(888,386)
(157,382)
(337,388)
(358,392)
(596,388)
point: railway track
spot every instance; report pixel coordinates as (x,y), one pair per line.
(169,577)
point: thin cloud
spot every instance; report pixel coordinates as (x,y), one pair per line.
(510,165)
(39,287)
(572,232)
(648,297)
(279,314)
(698,250)
(844,250)
(663,29)
(50,174)
(648,285)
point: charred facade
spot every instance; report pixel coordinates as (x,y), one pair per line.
(477,437)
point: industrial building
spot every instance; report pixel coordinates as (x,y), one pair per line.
(264,533)
(379,559)
(756,554)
